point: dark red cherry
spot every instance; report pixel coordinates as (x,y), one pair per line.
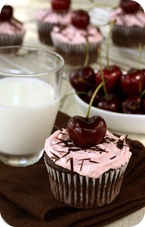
(111,103)
(82,79)
(80,19)
(133,82)
(112,75)
(86,132)
(129,6)
(132,105)
(60,4)
(6,13)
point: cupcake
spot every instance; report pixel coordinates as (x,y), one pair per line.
(129,27)
(58,14)
(86,171)
(71,40)
(11,30)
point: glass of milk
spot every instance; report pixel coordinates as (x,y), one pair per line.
(30,85)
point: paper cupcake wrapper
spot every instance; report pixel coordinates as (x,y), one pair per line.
(74,48)
(78,59)
(11,40)
(84,192)
(128,36)
(44,30)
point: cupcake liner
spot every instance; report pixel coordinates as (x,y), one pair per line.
(75,54)
(75,59)
(73,48)
(128,36)
(84,192)
(11,40)
(44,30)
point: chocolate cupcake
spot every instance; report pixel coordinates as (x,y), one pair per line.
(129,27)
(11,30)
(58,14)
(71,40)
(86,177)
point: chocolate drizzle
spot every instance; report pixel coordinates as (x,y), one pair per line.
(120,143)
(82,162)
(55,156)
(65,142)
(113,157)
(71,164)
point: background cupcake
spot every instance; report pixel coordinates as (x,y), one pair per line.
(86,177)
(71,41)
(58,14)
(11,30)
(129,28)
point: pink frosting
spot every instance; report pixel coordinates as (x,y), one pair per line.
(49,16)
(129,20)
(91,162)
(73,35)
(10,29)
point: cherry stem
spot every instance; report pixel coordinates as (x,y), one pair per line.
(93,97)
(142,94)
(87,53)
(108,43)
(102,75)
(140,55)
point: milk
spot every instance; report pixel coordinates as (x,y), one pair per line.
(28,109)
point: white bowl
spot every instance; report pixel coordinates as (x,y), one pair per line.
(119,122)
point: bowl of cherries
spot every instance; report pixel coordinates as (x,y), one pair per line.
(121,101)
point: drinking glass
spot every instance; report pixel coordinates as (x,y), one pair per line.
(30,86)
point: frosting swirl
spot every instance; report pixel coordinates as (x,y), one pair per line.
(122,18)
(49,16)
(9,28)
(73,35)
(92,162)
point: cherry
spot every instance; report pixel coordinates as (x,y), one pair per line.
(60,4)
(133,82)
(6,13)
(132,105)
(112,75)
(86,132)
(111,103)
(129,6)
(80,19)
(82,79)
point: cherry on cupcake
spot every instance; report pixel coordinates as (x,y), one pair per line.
(129,6)
(80,19)
(6,13)
(87,131)
(60,5)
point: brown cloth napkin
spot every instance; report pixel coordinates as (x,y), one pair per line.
(26,199)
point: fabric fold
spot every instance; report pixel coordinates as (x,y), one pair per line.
(26,198)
